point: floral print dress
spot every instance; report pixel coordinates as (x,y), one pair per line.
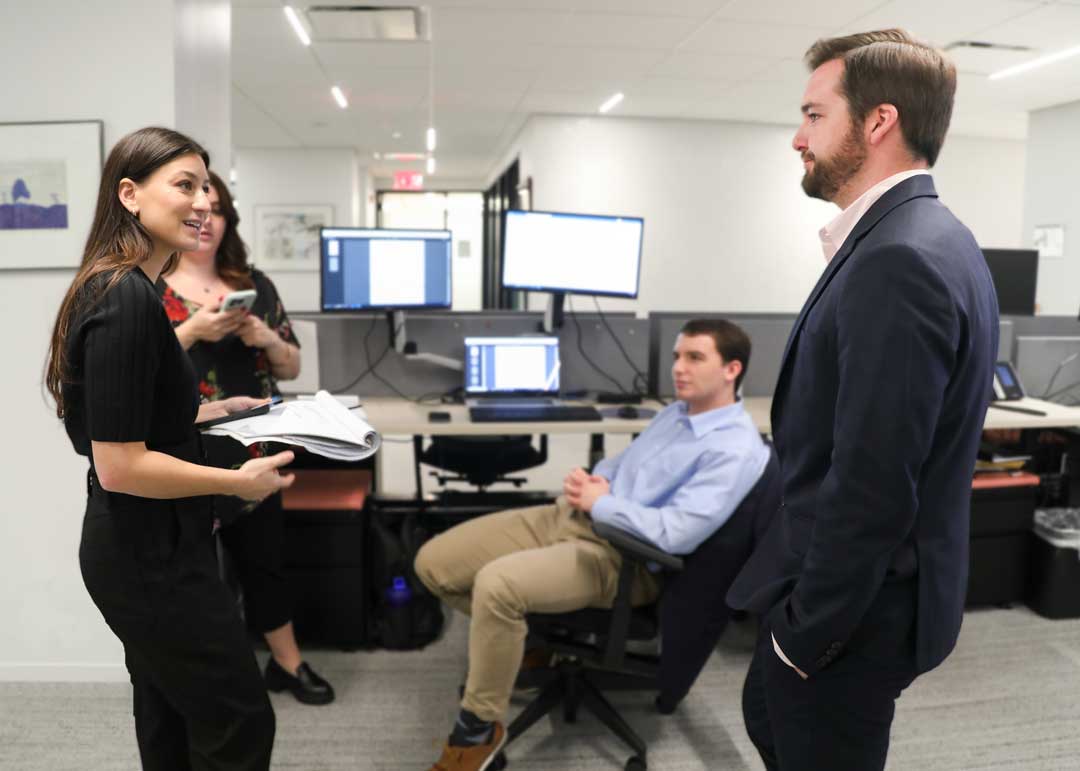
(231,368)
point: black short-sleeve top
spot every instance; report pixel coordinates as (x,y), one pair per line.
(129,379)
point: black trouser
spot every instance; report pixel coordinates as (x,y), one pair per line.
(254,541)
(200,702)
(838,719)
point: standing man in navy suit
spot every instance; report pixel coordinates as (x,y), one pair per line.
(876,418)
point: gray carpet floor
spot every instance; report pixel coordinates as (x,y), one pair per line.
(1008,698)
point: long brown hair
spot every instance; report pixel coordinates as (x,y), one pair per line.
(230,262)
(118,242)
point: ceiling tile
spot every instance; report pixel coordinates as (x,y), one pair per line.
(722,36)
(831,14)
(938,22)
(690,64)
(1045,29)
(693,8)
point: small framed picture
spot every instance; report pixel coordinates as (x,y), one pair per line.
(49,177)
(287,235)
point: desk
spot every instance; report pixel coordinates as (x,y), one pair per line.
(396,416)
(391,416)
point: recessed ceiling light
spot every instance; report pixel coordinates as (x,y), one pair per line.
(339,97)
(404,156)
(1042,61)
(297,25)
(614,100)
(431,164)
(431,139)
(376,156)
(396,135)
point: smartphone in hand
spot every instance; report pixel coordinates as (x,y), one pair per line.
(242,298)
(262,409)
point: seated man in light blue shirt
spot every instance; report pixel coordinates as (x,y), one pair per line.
(674,486)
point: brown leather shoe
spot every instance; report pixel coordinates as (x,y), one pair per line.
(476,758)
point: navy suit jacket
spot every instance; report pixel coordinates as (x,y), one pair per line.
(876,419)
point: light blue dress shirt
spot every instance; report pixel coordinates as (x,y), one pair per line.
(681,479)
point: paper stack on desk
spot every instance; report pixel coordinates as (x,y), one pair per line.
(322,426)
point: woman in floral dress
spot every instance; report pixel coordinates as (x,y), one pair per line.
(242,352)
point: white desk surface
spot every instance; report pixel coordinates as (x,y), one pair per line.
(393,416)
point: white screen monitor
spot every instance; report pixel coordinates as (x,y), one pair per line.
(580,253)
(512,365)
(379,269)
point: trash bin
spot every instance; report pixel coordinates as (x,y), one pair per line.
(1054,589)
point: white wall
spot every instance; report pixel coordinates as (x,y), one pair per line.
(727,226)
(105,60)
(202,42)
(1051,199)
(299,176)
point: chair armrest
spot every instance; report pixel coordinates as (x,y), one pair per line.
(635,548)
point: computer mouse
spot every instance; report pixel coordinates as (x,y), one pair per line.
(628,411)
(438,417)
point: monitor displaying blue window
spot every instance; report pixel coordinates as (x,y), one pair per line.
(378,269)
(511,365)
(581,253)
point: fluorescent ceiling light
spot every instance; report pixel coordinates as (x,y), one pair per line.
(606,106)
(431,139)
(403,156)
(297,25)
(1042,61)
(339,97)
(431,164)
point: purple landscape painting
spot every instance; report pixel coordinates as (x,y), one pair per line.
(33,195)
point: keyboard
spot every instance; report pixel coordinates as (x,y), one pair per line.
(552,413)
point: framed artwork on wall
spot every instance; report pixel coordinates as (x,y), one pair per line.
(49,177)
(287,235)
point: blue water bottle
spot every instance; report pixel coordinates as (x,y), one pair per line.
(398,593)
(397,626)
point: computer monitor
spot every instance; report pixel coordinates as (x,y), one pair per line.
(499,366)
(1015,273)
(580,253)
(377,269)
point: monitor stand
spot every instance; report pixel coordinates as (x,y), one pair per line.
(553,314)
(399,342)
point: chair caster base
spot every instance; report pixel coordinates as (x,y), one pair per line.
(636,763)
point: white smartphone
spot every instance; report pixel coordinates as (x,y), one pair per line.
(243,298)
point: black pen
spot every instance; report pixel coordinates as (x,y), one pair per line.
(1025,410)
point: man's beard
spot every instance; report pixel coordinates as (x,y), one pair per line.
(828,175)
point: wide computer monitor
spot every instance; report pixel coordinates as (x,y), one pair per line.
(1015,273)
(378,269)
(580,253)
(498,366)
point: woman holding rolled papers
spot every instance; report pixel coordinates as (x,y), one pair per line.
(242,352)
(129,401)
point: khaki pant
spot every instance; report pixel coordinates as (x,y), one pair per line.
(498,568)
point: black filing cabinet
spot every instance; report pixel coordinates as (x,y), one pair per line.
(1002,511)
(325,565)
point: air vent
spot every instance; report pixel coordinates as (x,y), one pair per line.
(979,57)
(982,44)
(363,22)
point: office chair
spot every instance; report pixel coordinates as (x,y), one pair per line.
(689,616)
(480,460)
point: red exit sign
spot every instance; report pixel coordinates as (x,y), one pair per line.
(408,180)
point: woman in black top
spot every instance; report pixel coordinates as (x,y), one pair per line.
(238,353)
(127,394)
